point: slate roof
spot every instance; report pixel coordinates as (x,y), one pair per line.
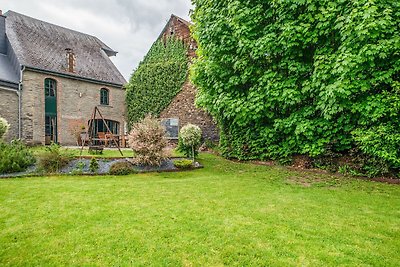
(7,73)
(41,45)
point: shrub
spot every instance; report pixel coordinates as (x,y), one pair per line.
(147,140)
(183,164)
(53,158)
(15,157)
(122,168)
(4,126)
(94,165)
(189,140)
(80,166)
(366,165)
(212,145)
(382,142)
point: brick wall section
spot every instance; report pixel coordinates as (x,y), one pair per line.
(183,107)
(9,111)
(179,29)
(75,104)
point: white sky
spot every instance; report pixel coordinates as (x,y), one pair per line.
(127,26)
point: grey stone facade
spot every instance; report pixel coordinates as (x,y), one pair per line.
(32,51)
(76,101)
(9,111)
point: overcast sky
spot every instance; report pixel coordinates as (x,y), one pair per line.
(127,26)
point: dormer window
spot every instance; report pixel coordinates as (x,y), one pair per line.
(104,97)
(70,57)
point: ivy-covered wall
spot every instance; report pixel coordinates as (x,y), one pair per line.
(157,80)
(301,77)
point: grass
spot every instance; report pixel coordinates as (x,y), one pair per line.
(107,153)
(225,214)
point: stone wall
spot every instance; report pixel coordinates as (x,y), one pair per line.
(9,111)
(183,107)
(75,104)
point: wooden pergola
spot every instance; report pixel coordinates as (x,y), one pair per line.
(90,134)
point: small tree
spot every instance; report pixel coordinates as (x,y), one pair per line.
(190,140)
(147,139)
(94,165)
(4,126)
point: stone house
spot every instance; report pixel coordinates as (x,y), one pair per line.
(182,110)
(52,78)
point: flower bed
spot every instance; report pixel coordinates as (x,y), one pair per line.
(81,166)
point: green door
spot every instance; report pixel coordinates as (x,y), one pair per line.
(50,91)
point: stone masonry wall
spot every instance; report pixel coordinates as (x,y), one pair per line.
(75,104)
(183,107)
(9,111)
(179,29)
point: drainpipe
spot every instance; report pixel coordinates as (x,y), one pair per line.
(20,103)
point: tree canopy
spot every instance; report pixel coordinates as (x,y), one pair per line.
(300,76)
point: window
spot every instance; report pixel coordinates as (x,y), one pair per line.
(100,127)
(50,87)
(171,126)
(104,97)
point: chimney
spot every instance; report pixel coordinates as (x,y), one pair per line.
(3,41)
(70,57)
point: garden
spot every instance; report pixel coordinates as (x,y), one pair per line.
(306,96)
(148,153)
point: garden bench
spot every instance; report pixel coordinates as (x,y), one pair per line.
(96,149)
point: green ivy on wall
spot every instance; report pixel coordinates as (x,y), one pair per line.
(299,77)
(157,80)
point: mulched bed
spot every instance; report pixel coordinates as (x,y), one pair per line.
(80,166)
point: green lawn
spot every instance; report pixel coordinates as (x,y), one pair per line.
(225,214)
(107,153)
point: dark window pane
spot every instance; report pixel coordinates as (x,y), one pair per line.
(50,87)
(104,97)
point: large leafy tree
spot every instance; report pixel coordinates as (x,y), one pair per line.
(157,80)
(298,76)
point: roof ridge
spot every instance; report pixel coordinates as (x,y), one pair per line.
(183,20)
(41,52)
(52,24)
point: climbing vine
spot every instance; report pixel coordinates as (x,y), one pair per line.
(157,80)
(301,77)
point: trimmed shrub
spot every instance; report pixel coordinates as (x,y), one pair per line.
(15,157)
(4,126)
(190,140)
(147,140)
(122,168)
(183,164)
(94,165)
(53,159)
